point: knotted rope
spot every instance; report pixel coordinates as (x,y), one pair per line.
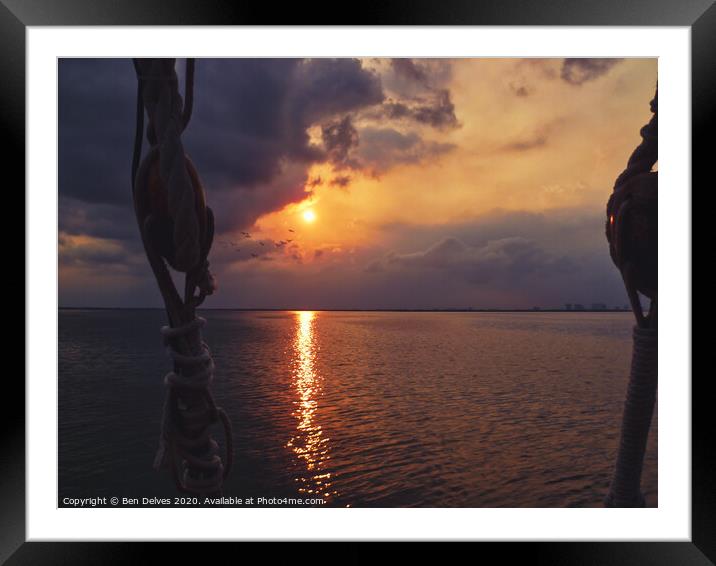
(185,443)
(624,490)
(160,93)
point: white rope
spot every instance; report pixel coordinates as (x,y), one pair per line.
(624,490)
(175,447)
(197,380)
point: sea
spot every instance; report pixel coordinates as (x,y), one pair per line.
(360,409)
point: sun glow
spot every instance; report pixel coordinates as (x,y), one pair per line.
(309,216)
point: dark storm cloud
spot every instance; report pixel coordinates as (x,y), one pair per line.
(339,138)
(96,103)
(440,113)
(436,110)
(249,130)
(410,69)
(573,71)
(325,87)
(417,93)
(240,207)
(578,71)
(256,112)
(382,148)
(411,75)
(249,116)
(241,129)
(374,150)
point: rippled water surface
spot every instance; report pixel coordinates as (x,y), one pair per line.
(363,409)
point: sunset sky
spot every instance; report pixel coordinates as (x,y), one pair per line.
(374,183)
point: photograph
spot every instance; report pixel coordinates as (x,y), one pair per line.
(297,277)
(372,282)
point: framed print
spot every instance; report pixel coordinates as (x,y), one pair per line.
(382,280)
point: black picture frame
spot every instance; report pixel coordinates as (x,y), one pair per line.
(16,15)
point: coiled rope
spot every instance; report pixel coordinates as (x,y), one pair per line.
(188,445)
(636,421)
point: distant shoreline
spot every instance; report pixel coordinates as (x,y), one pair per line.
(541,310)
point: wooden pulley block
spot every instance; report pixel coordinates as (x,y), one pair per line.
(632,232)
(152,209)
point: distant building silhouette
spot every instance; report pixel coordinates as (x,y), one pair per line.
(599,307)
(568,306)
(578,307)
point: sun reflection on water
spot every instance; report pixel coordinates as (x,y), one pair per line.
(308,443)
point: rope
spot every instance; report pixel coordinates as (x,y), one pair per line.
(638,410)
(160,93)
(646,154)
(189,408)
(625,490)
(138,129)
(188,93)
(193,472)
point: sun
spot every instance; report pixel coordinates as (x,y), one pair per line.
(309,216)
